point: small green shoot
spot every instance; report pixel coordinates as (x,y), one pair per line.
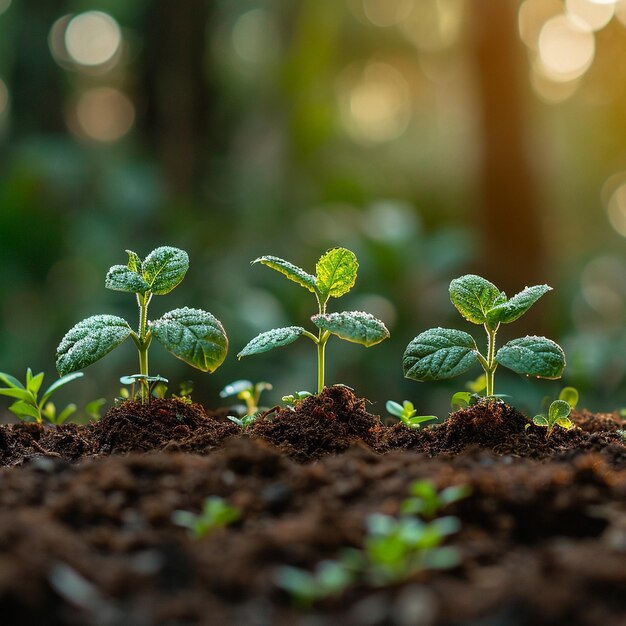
(293,399)
(407,414)
(216,513)
(248,392)
(192,335)
(148,385)
(424,500)
(441,353)
(569,395)
(28,407)
(335,276)
(558,415)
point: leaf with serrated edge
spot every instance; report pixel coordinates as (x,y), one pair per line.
(89,341)
(164,268)
(336,272)
(120,278)
(354,326)
(517,305)
(474,297)
(291,271)
(194,336)
(533,356)
(274,338)
(439,353)
(134,262)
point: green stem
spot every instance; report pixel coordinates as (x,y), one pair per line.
(144,344)
(492,364)
(322,339)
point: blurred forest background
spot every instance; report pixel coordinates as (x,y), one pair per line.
(432,137)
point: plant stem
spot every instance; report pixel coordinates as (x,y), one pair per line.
(492,364)
(322,339)
(144,343)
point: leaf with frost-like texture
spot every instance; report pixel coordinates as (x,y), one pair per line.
(533,356)
(134,262)
(517,305)
(558,409)
(336,272)
(291,271)
(89,341)
(439,353)
(120,278)
(164,268)
(354,326)
(194,336)
(274,338)
(474,297)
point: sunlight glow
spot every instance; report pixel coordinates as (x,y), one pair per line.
(434,24)
(617,210)
(93,38)
(104,114)
(385,13)
(255,36)
(594,14)
(533,14)
(4,5)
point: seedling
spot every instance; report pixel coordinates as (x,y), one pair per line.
(424,500)
(335,276)
(28,406)
(151,385)
(192,335)
(558,415)
(407,414)
(248,392)
(216,513)
(441,353)
(293,399)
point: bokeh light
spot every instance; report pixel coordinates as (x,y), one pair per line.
(92,38)
(4,5)
(104,114)
(596,15)
(532,15)
(616,210)
(433,25)
(255,36)
(385,13)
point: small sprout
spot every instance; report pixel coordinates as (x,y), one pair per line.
(295,398)
(335,276)
(185,389)
(248,392)
(622,434)
(28,407)
(192,335)
(407,414)
(216,513)
(93,409)
(148,385)
(558,415)
(244,422)
(424,500)
(569,395)
(441,353)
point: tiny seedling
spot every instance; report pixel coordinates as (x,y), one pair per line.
(293,399)
(558,415)
(335,276)
(424,500)
(407,414)
(150,385)
(248,392)
(441,353)
(216,513)
(192,335)
(28,406)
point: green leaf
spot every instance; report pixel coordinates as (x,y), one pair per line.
(354,326)
(558,409)
(291,271)
(120,278)
(569,395)
(540,420)
(164,268)
(89,341)
(194,336)
(33,383)
(11,381)
(393,408)
(439,353)
(59,383)
(474,297)
(236,387)
(533,356)
(564,422)
(516,306)
(25,409)
(20,394)
(134,262)
(64,415)
(274,338)
(460,400)
(336,273)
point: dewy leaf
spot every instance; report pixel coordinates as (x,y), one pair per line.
(194,336)
(336,272)
(164,268)
(291,271)
(439,353)
(533,356)
(272,339)
(134,262)
(120,278)
(558,409)
(474,297)
(516,306)
(354,326)
(89,341)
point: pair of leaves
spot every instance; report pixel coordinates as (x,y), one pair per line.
(192,335)
(558,415)
(354,326)
(335,273)
(481,302)
(441,353)
(162,270)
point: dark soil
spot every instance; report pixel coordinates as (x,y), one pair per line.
(86,535)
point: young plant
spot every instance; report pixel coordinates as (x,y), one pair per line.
(441,353)
(424,500)
(558,415)
(407,414)
(248,392)
(335,275)
(28,406)
(192,335)
(216,513)
(293,399)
